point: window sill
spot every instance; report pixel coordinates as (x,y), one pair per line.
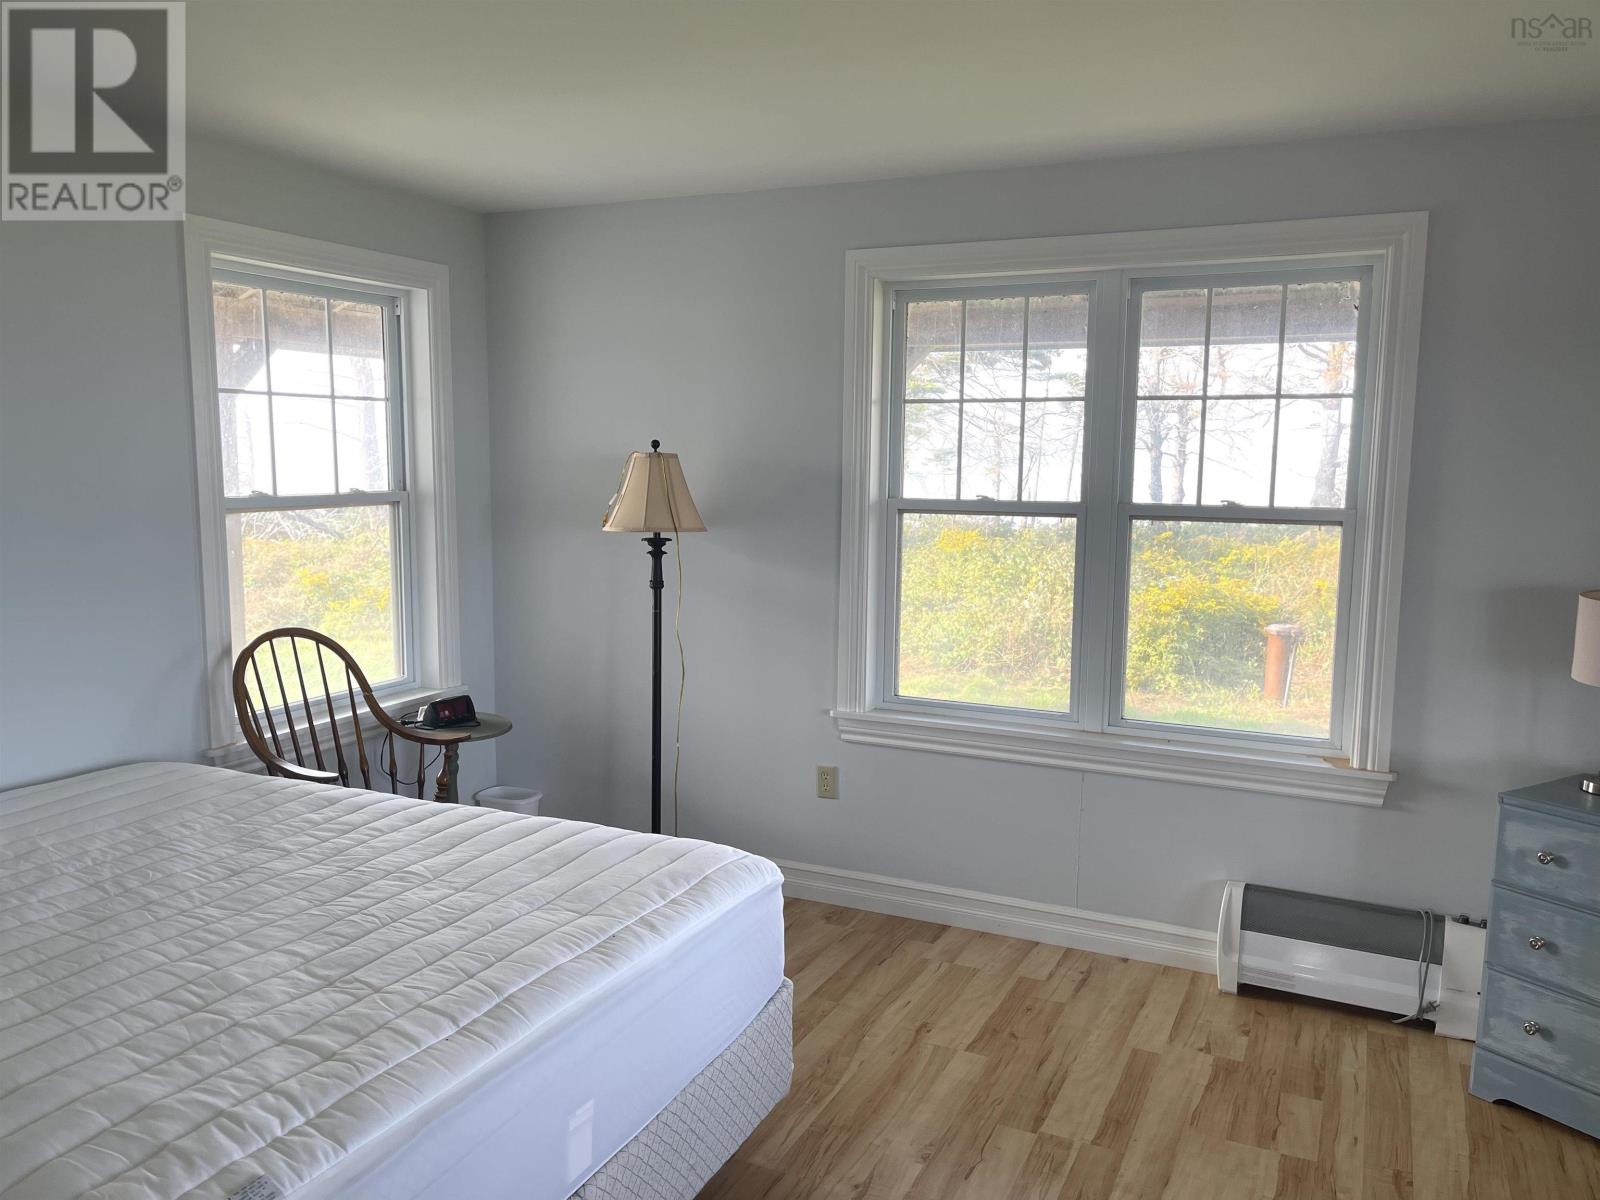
(237,755)
(1284,774)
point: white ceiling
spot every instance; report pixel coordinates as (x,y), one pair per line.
(507,104)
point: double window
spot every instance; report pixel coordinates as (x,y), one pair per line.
(1130,507)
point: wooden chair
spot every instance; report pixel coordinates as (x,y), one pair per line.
(273,676)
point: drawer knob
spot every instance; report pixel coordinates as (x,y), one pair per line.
(1536,942)
(1545,857)
(1530,1027)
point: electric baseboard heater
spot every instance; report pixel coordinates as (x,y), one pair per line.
(1395,960)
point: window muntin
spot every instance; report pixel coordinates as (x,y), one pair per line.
(316,509)
(1245,393)
(991,392)
(993,395)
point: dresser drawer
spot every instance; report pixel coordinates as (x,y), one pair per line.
(1546,942)
(1565,1041)
(1549,856)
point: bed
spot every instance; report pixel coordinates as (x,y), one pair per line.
(221,985)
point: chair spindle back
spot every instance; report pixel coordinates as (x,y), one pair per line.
(271,686)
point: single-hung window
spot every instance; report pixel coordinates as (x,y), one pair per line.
(990,457)
(1133,501)
(311,406)
(325,461)
(1243,401)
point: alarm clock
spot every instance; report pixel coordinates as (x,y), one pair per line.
(447,713)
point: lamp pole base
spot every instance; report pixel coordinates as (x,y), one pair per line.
(657,548)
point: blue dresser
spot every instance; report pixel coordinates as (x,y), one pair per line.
(1539,1019)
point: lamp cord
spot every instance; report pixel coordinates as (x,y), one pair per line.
(683,672)
(427,769)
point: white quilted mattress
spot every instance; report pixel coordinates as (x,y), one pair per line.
(209,979)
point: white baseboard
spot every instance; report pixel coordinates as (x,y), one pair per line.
(1125,937)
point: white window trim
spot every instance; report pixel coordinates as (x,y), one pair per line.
(1394,245)
(430,444)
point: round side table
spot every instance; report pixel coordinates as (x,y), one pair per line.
(490,725)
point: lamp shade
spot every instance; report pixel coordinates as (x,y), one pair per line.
(1586,642)
(653,497)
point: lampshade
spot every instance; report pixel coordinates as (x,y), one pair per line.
(1586,642)
(653,497)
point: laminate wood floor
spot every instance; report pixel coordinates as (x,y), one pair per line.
(939,1062)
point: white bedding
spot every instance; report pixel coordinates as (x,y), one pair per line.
(208,978)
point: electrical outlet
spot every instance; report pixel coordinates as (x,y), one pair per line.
(828,783)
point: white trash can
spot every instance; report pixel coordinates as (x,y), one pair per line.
(510,799)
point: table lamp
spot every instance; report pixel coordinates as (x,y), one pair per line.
(653,496)
(1586,657)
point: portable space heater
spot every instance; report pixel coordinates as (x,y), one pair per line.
(1395,960)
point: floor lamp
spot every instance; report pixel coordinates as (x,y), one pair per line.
(653,496)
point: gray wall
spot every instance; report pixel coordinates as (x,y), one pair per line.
(715,324)
(101,653)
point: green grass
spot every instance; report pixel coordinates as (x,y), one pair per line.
(1216,708)
(1213,708)
(972,687)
